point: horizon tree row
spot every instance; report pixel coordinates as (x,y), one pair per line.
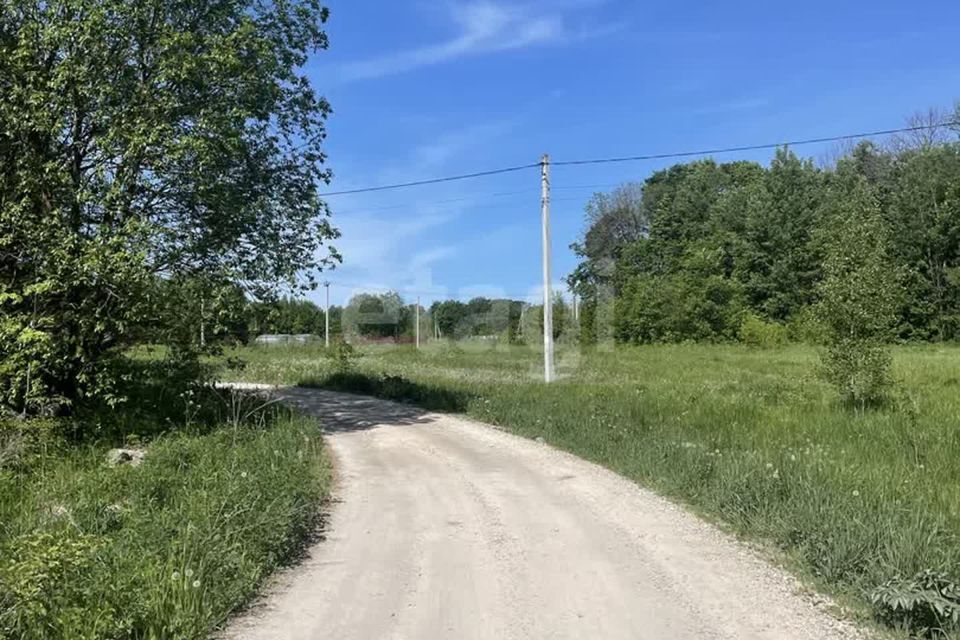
(702,250)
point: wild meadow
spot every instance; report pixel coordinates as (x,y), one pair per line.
(864,503)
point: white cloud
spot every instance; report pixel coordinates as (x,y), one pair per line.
(482,26)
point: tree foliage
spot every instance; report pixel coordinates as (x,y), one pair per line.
(145,144)
(700,248)
(859,296)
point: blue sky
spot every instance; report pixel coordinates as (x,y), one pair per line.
(425,88)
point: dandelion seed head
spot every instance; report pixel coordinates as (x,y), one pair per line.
(196,584)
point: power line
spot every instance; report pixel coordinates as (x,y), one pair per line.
(436,202)
(756,147)
(417,183)
(657,156)
(496,207)
(473,198)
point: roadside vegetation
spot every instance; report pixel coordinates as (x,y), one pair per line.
(861,502)
(98,546)
(160,164)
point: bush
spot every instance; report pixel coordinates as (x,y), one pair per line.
(342,355)
(52,586)
(927,604)
(805,328)
(757,332)
(859,370)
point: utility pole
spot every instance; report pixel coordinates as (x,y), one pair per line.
(418,322)
(203,326)
(547,297)
(326,318)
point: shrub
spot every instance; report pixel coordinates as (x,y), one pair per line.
(342,355)
(805,328)
(858,369)
(51,586)
(927,604)
(757,332)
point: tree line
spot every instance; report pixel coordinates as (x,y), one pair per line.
(386,315)
(713,251)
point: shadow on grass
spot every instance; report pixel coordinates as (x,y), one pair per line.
(396,388)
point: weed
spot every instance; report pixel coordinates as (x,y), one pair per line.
(927,604)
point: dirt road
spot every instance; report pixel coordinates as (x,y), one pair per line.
(445,528)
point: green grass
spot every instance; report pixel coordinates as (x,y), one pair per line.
(228,491)
(750,438)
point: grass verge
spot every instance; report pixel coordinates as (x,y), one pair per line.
(166,549)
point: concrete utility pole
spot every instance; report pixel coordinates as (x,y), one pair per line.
(326,318)
(547,297)
(418,322)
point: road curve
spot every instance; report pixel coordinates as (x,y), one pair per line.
(446,528)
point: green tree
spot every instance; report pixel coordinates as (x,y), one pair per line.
(776,259)
(924,212)
(448,316)
(859,296)
(142,141)
(377,315)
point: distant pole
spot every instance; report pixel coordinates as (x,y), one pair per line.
(203,327)
(547,297)
(326,318)
(418,322)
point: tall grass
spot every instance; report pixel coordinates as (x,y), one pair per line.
(749,437)
(166,549)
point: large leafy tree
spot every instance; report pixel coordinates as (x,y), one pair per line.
(144,142)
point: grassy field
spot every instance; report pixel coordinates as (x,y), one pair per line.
(751,438)
(229,489)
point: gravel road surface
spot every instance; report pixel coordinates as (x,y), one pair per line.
(447,528)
